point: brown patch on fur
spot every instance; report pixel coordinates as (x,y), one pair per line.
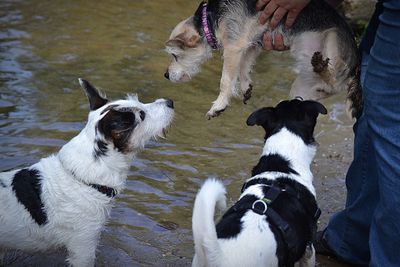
(247,94)
(321,67)
(354,96)
(117,126)
(175,43)
(188,38)
(319,63)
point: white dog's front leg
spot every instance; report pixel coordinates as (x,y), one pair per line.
(308,259)
(82,251)
(247,61)
(230,73)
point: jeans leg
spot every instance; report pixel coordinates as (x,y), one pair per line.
(382,112)
(348,230)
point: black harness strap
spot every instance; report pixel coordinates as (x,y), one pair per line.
(263,207)
(313,211)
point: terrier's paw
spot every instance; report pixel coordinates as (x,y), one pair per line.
(319,63)
(214,113)
(247,94)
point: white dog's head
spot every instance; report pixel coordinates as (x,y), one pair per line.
(124,125)
(188,51)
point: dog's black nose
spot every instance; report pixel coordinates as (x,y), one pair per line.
(169,103)
(166,75)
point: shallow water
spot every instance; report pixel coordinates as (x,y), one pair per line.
(118,46)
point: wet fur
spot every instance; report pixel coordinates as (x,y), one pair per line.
(318,29)
(52,203)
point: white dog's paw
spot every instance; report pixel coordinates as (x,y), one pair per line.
(214,113)
(216,110)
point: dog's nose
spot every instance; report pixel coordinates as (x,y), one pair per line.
(166,75)
(169,103)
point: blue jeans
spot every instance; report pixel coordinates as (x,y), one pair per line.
(367,231)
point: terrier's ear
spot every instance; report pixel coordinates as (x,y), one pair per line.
(315,107)
(264,117)
(95,99)
(175,43)
(188,38)
(191,38)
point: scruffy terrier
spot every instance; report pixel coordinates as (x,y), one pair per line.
(320,41)
(65,199)
(274,221)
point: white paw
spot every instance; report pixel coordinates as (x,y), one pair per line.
(215,111)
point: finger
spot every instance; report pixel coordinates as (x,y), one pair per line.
(267,12)
(291,17)
(267,41)
(261,4)
(277,17)
(279,43)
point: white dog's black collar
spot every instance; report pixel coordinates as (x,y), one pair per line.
(108,191)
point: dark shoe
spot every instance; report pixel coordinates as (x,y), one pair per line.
(321,245)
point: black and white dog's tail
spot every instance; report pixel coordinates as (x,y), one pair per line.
(207,250)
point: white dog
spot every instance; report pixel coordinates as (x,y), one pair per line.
(274,221)
(65,199)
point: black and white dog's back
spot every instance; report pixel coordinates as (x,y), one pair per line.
(65,199)
(274,220)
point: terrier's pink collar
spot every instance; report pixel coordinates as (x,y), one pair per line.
(209,36)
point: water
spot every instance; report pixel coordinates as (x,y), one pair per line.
(118,46)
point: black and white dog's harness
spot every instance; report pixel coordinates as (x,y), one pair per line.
(264,207)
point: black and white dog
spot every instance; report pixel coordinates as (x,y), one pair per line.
(274,220)
(322,44)
(65,199)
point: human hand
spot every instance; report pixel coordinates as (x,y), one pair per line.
(275,43)
(278,9)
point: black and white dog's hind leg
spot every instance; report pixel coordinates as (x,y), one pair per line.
(321,70)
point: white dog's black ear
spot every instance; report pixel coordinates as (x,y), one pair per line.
(315,107)
(262,117)
(95,99)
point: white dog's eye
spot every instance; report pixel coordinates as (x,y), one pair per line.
(175,57)
(142,115)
